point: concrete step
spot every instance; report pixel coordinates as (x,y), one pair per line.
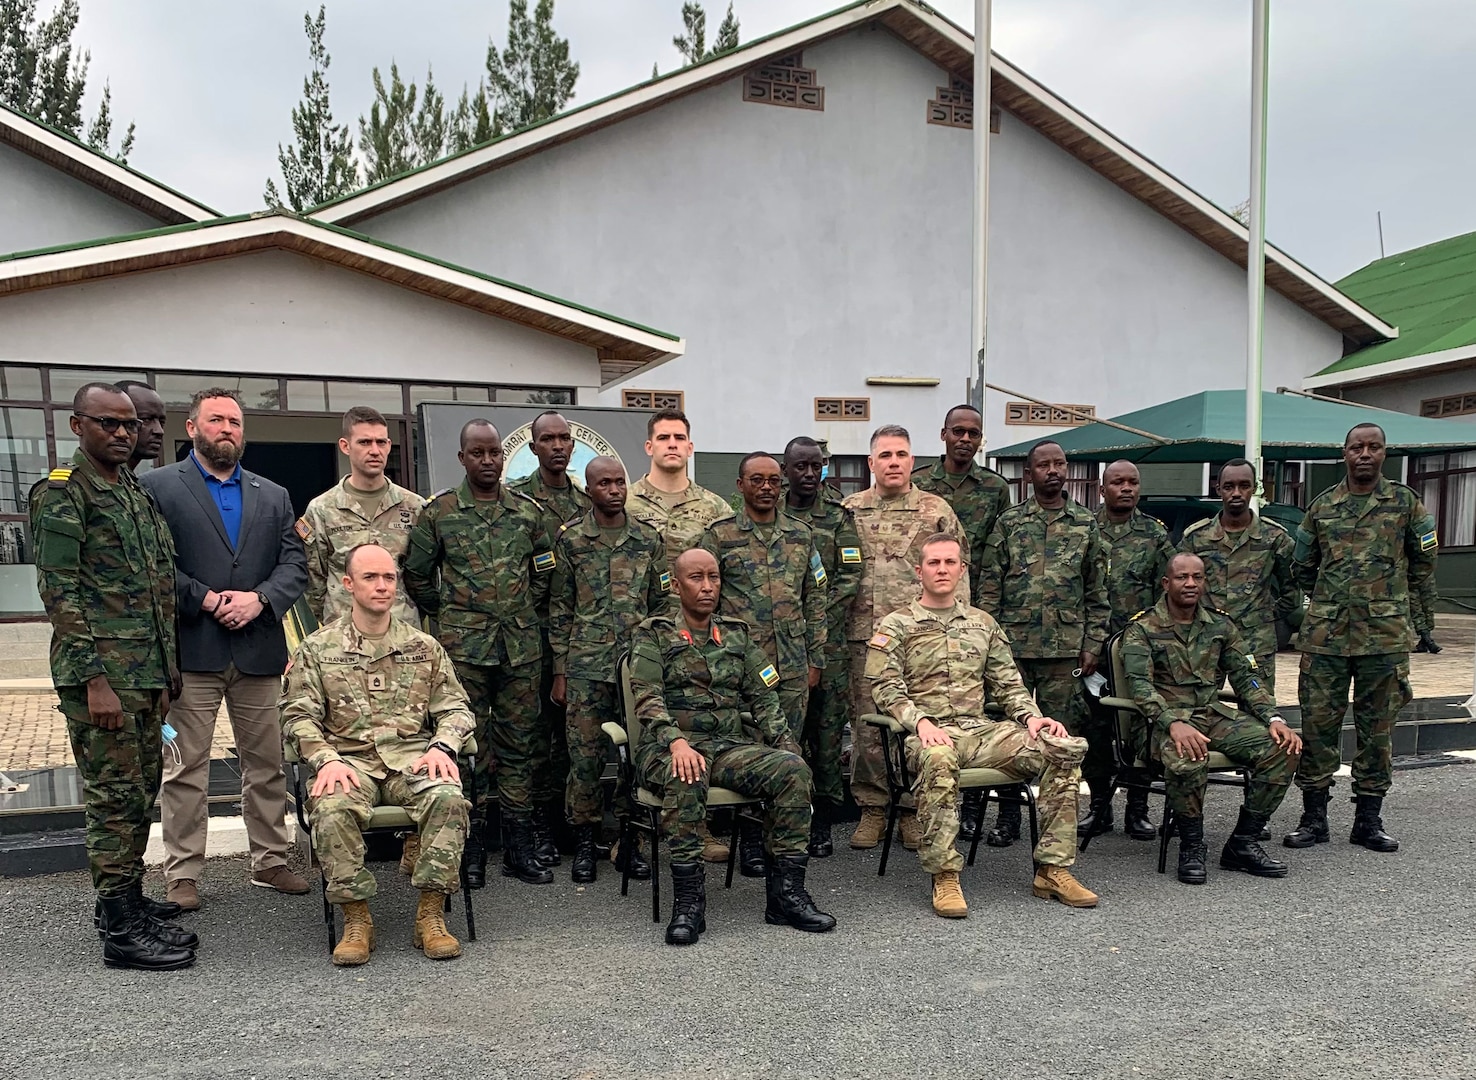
(24,650)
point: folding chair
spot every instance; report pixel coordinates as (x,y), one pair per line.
(646,804)
(999,787)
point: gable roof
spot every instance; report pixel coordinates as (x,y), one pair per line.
(81,162)
(952,49)
(1430,292)
(625,348)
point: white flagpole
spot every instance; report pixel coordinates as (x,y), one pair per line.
(1256,247)
(979,321)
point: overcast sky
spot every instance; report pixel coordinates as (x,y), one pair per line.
(1371,102)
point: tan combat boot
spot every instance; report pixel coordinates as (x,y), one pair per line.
(431,935)
(713,849)
(410,854)
(358,935)
(870,828)
(910,830)
(1056,883)
(948,897)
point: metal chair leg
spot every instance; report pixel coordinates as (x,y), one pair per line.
(328,916)
(621,839)
(893,813)
(989,795)
(471,919)
(1111,794)
(733,846)
(1163,842)
(655,866)
(1029,797)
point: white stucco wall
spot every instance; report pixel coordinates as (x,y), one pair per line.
(41,207)
(1406,394)
(801,252)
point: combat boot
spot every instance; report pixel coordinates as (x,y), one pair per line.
(544,848)
(357,942)
(518,859)
(909,828)
(474,854)
(948,897)
(821,846)
(789,903)
(1006,826)
(1191,851)
(1312,828)
(1135,820)
(130,942)
(751,861)
(688,904)
(1368,826)
(410,854)
(431,935)
(713,849)
(970,813)
(1058,883)
(869,829)
(1098,817)
(582,865)
(175,937)
(1243,850)
(630,853)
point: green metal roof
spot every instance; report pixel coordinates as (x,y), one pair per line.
(1429,293)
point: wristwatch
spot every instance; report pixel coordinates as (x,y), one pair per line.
(266,605)
(443,748)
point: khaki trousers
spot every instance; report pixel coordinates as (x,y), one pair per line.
(251,704)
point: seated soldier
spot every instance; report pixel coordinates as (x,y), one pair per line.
(379,715)
(1176,656)
(697,678)
(932,665)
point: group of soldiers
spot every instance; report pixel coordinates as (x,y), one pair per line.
(756,637)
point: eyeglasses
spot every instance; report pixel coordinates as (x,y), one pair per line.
(966,433)
(775,482)
(110,424)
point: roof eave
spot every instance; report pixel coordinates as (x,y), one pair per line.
(1391,370)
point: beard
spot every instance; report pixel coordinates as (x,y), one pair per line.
(222,454)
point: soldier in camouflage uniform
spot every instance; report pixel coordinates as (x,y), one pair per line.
(693,676)
(977,495)
(1176,657)
(1045,582)
(105,571)
(1247,567)
(562,499)
(611,574)
(376,712)
(931,667)
(893,518)
(479,561)
(828,711)
(364,507)
(1365,551)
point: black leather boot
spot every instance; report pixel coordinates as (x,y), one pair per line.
(518,859)
(821,846)
(129,940)
(1098,817)
(1427,643)
(1243,850)
(544,848)
(688,904)
(1312,828)
(1368,826)
(1191,851)
(1135,820)
(174,936)
(970,811)
(630,853)
(582,865)
(751,861)
(474,854)
(789,903)
(1006,826)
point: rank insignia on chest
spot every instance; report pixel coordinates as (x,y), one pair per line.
(303,530)
(665,582)
(377,681)
(770,677)
(880,641)
(543,561)
(1427,541)
(850,554)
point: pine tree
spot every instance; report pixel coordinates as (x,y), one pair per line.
(386,140)
(533,78)
(321,165)
(430,131)
(693,43)
(727,35)
(471,124)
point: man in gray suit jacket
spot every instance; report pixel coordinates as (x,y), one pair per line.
(240,567)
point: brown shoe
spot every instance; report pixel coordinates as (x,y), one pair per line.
(870,828)
(431,935)
(358,935)
(410,854)
(281,879)
(713,849)
(948,897)
(184,892)
(911,831)
(1056,883)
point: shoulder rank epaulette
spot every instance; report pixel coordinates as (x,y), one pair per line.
(443,491)
(1139,615)
(58,478)
(1201,523)
(1275,524)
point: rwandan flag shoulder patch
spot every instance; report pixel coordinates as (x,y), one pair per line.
(543,561)
(850,554)
(664,582)
(1428,541)
(770,676)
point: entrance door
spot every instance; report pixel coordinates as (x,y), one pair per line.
(304,469)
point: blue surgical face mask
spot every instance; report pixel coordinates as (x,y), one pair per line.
(169,744)
(824,472)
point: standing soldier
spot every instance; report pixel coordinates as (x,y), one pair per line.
(977,495)
(774,580)
(151,418)
(611,573)
(1045,583)
(490,550)
(893,520)
(551,486)
(365,507)
(105,569)
(1247,567)
(828,711)
(1365,549)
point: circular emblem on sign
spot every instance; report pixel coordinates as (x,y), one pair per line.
(519,460)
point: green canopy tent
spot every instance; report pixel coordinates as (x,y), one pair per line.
(1210,426)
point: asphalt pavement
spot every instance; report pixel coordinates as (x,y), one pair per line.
(1357,965)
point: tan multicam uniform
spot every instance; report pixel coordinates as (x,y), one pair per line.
(943,666)
(678,519)
(892,530)
(334,523)
(377,705)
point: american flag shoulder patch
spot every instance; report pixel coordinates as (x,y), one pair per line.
(543,561)
(770,676)
(880,641)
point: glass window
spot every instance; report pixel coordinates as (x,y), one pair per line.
(530,395)
(23,458)
(15,545)
(1447,487)
(65,382)
(307,395)
(386,397)
(20,384)
(177,389)
(422,392)
(849,474)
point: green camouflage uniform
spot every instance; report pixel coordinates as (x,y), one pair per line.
(1138,551)
(494,559)
(1045,581)
(1248,575)
(774,580)
(376,705)
(105,570)
(1363,560)
(891,530)
(605,584)
(978,497)
(334,524)
(560,505)
(1174,673)
(828,711)
(705,691)
(678,519)
(943,666)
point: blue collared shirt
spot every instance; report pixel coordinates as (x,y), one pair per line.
(227,497)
